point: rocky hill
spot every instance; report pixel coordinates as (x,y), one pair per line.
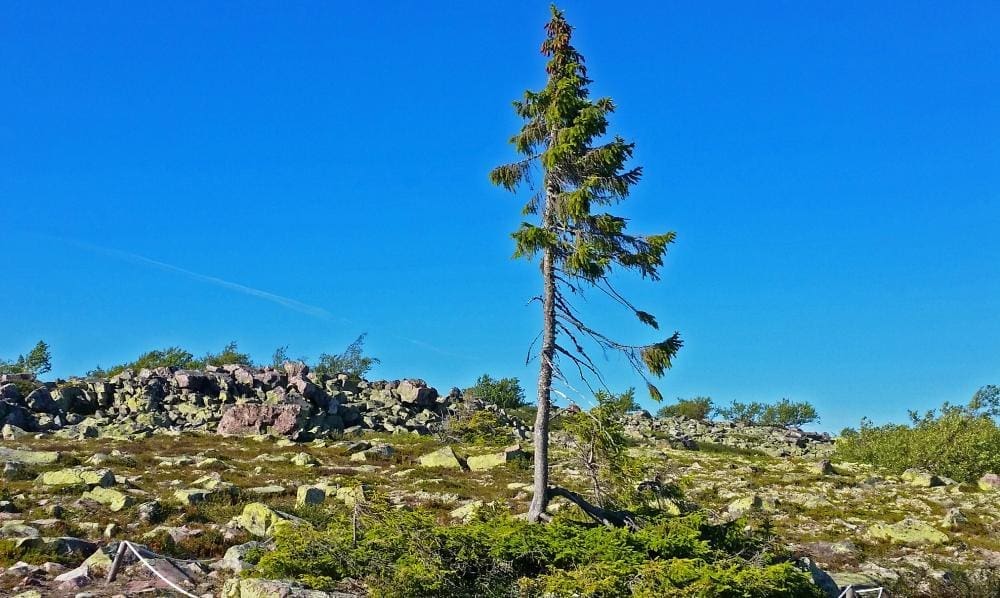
(229,400)
(204,466)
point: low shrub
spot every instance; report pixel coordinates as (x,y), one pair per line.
(477,427)
(697,408)
(505,392)
(406,553)
(784,413)
(960,442)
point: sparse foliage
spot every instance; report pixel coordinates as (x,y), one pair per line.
(280,356)
(505,392)
(747,413)
(784,413)
(699,408)
(229,355)
(352,361)
(37,361)
(583,171)
(597,442)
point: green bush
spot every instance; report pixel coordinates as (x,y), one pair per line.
(37,361)
(783,413)
(399,552)
(697,408)
(352,361)
(228,355)
(786,413)
(747,413)
(477,427)
(960,442)
(505,392)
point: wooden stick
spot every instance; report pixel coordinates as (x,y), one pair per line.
(117,563)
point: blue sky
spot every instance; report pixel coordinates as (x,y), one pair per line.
(832,171)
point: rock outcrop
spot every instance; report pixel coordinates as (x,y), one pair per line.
(230,399)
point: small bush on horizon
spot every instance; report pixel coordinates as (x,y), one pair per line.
(957,441)
(699,408)
(784,413)
(37,361)
(505,393)
(352,361)
(177,357)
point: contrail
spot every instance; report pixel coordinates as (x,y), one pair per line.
(312,310)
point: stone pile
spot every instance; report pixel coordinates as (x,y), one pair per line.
(230,400)
(690,433)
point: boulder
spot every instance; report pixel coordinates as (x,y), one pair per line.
(310,495)
(40,401)
(261,520)
(192,380)
(744,505)
(989,481)
(907,531)
(252,419)
(466,512)
(921,478)
(77,476)
(235,558)
(416,392)
(491,460)
(28,457)
(351,495)
(444,458)
(269,588)
(111,498)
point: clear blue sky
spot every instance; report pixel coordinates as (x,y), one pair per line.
(832,171)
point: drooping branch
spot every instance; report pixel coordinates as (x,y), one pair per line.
(606,517)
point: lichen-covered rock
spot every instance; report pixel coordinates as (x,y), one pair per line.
(262,521)
(235,558)
(907,531)
(444,458)
(744,505)
(492,460)
(27,457)
(466,512)
(351,495)
(111,498)
(921,478)
(269,588)
(77,476)
(989,481)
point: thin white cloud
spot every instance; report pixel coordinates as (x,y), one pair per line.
(287,302)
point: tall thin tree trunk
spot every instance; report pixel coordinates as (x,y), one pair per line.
(541,433)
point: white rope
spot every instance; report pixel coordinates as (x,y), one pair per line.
(860,592)
(136,552)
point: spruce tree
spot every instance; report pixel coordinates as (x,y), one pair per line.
(582,171)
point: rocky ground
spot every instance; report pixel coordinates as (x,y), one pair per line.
(211,498)
(73,488)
